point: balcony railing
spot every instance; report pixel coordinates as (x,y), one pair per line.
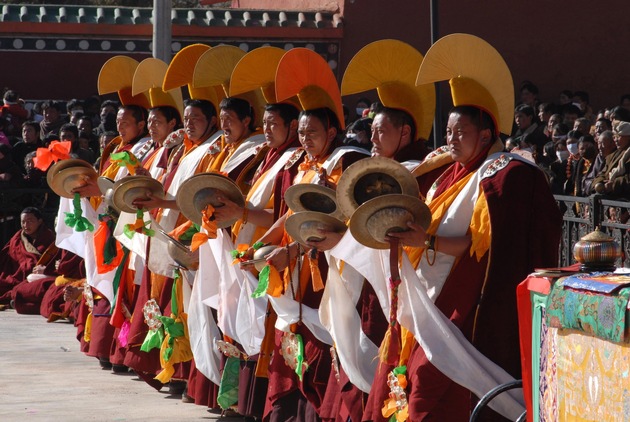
(583,215)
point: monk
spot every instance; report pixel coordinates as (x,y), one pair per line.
(23,251)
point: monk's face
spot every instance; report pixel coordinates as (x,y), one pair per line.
(314,136)
(465,140)
(30,223)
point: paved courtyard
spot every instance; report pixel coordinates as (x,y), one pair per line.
(44,377)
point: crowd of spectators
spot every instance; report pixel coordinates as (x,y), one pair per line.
(89,124)
(581,151)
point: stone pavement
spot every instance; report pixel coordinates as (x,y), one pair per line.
(45,377)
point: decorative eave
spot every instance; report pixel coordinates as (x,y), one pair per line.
(96,20)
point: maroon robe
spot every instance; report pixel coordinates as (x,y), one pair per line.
(350,401)
(102,333)
(71,266)
(521,207)
(29,297)
(16,262)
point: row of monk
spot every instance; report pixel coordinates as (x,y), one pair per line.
(235,247)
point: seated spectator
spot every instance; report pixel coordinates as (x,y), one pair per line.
(84,151)
(619,114)
(601,125)
(74,106)
(529,94)
(85,127)
(587,150)
(571,114)
(583,125)
(624,101)
(359,134)
(527,124)
(14,111)
(54,270)
(564,100)
(614,180)
(605,146)
(573,138)
(29,143)
(10,173)
(34,177)
(3,137)
(551,164)
(59,301)
(363,104)
(545,111)
(553,120)
(92,108)
(582,101)
(559,133)
(70,133)
(53,119)
(23,251)
(74,117)
(108,117)
(104,139)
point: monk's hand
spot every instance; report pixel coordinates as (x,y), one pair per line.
(278,258)
(415,236)
(88,189)
(149,202)
(229,210)
(329,240)
(141,171)
(71,293)
(39,269)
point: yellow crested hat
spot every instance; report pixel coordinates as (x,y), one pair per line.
(214,69)
(305,73)
(116,75)
(180,73)
(257,70)
(148,77)
(391,67)
(477,74)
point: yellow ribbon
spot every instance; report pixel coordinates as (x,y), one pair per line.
(316,276)
(87,332)
(275,286)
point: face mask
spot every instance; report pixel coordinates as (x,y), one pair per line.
(573,148)
(351,136)
(359,111)
(562,155)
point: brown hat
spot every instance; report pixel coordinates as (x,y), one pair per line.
(130,188)
(303,226)
(200,190)
(312,197)
(373,177)
(64,180)
(376,218)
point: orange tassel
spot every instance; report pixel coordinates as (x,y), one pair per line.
(316,277)
(209,225)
